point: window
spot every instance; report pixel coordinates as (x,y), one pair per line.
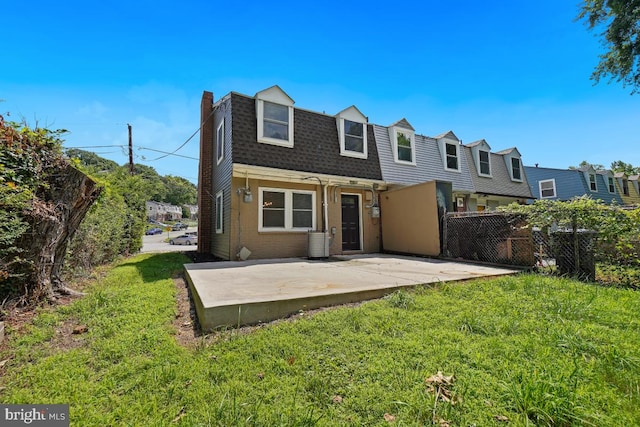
(516,173)
(352,132)
(547,188)
(274,114)
(451,151)
(354,137)
(219,212)
(592,182)
(625,187)
(404,147)
(286,210)
(485,166)
(612,188)
(220,142)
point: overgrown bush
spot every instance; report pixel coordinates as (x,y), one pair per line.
(617,230)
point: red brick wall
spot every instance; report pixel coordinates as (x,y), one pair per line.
(205,174)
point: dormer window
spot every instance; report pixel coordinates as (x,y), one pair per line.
(625,187)
(516,169)
(404,146)
(403,143)
(612,187)
(352,131)
(485,166)
(451,153)
(274,110)
(592,182)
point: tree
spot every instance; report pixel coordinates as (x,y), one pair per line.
(45,198)
(586,164)
(180,191)
(620,21)
(627,168)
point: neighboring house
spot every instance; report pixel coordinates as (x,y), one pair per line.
(159,211)
(407,158)
(271,172)
(498,178)
(567,184)
(193,211)
(627,187)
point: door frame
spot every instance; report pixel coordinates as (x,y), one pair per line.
(359,195)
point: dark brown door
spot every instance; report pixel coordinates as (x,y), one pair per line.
(350,222)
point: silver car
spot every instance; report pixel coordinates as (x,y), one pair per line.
(184,239)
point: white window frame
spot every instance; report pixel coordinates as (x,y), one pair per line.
(544,181)
(611,186)
(219,212)
(446,156)
(394,144)
(511,169)
(595,182)
(288,210)
(220,142)
(274,141)
(343,139)
(480,163)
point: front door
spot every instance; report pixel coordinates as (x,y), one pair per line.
(350,222)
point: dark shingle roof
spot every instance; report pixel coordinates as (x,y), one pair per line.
(316,145)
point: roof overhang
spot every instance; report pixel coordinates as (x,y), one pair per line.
(301,177)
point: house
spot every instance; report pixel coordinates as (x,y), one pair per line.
(627,187)
(566,184)
(193,211)
(408,158)
(159,211)
(498,178)
(280,181)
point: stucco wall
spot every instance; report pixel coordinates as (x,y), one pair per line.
(410,220)
(244,220)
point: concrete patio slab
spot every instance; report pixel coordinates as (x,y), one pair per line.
(236,293)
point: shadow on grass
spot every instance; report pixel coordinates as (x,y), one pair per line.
(158,266)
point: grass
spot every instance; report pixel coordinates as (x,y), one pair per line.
(530,350)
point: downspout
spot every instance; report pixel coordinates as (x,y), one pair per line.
(323,192)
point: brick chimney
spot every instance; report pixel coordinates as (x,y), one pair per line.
(205,175)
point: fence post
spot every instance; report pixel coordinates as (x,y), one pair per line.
(576,244)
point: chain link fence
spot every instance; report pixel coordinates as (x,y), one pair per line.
(492,237)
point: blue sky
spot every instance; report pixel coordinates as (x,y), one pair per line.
(513,73)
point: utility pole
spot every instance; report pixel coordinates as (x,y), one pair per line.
(130,150)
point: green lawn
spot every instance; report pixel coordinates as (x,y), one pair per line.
(530,350)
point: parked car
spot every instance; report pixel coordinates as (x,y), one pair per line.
(152,231)
(184,239)
(179,226)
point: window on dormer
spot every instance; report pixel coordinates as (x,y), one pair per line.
(276,121)
(404,147)
(625,187)
(592,182)
(353,136)
(274,116)
(451,151)
(485,166)
(612,187)
(516,172)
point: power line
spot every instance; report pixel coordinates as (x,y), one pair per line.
(166,154)
(184,143)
